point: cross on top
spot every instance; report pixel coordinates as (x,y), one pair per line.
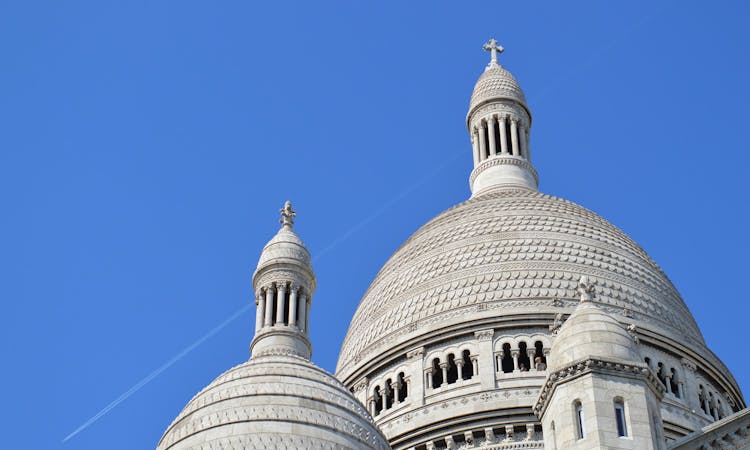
(493,47)
(287,214)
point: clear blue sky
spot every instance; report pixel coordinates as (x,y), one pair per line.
(146,148)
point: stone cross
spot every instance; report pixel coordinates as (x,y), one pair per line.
(585,289)
(287,215)
(492,47)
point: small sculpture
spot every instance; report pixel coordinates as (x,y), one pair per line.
(287,215)
(556,324)
(492,47)
(585,289)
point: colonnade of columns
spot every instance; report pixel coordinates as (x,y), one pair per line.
(512,134)
(388,395)
(272,308)
(515,353)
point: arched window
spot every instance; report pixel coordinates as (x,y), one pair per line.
(452,369)
(703,398)
(437,373)
(507,362)
(660,373)
(523,358)
(403,389)
(388,397)
(378,400)
(674,383)
(580,429)
(540,361)
(468,369)
(622,428)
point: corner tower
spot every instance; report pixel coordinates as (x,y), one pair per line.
(499,123)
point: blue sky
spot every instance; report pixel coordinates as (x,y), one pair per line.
(146,148)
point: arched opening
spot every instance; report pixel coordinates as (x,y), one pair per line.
(540,361)
(287,304)
(388,394)
(378,400)
(578,419)
(660,373)
(719,410)
(508,138)
(496,129)
(622,429)
(648,361)
(274,307)
(486,132)
(523,358)
(675,383)
(703,398)
(467,371)
(452,369)
(437,373)
(507,362)
(403,389)
(711,405)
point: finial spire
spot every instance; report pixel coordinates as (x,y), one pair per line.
(585,289)
(493,47)
(287,215)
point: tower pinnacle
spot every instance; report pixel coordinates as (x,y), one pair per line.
(287,215)
(493,47)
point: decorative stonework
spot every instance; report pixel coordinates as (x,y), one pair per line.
(484,335)
(580,368)
(503,160)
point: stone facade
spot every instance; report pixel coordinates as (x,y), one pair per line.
(514,320)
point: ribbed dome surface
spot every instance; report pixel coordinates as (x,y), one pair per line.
(496,83)
(279,402)
(591,333)
(285,246)
(509,251)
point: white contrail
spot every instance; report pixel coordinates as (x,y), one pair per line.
(543,93)
(158,371)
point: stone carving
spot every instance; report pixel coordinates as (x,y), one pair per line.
(287,214)
(484,335)
(585,289)
(632,330)
(556,324)
(415,353)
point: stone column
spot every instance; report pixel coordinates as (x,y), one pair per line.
(280,304)
(482,141)
(521,140)
(475,146)
(491,134)
(269,305)
(499,361)
(444,368)
(514,135)
(529,431)
(428,377)
(503,137)
(460,368)
(260,310)
(302,311)
(530,352)
(668,381)
(409,392)
(484,351)
(515,353)
(293,305)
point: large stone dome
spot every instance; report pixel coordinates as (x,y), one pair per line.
(506,252)
(280,402)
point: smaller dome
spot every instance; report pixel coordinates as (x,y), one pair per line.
(286,246)
(275,401)
(496,83)
(590,333)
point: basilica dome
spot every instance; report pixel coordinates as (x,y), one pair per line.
(274,402)
(510,251)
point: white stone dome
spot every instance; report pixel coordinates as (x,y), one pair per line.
(496,83)
(285,247)
(591,333)
(280,402)
(509,251)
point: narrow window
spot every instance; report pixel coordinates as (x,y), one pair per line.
(452,369)
(287,304)
(378,400)
(674,383)
(540,361)
(622,430)
(403,390)
(579,420)
(523,358)
(468,369)
(507,363)
(437,373)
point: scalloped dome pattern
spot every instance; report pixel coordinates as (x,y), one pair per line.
(504,252)
(285,246)
(496,83)
(313,409)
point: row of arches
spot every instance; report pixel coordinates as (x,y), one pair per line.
(710,403)
(392,392)
(669,377)
(521,359)
(452,368)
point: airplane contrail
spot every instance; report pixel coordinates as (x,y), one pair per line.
(136,387)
